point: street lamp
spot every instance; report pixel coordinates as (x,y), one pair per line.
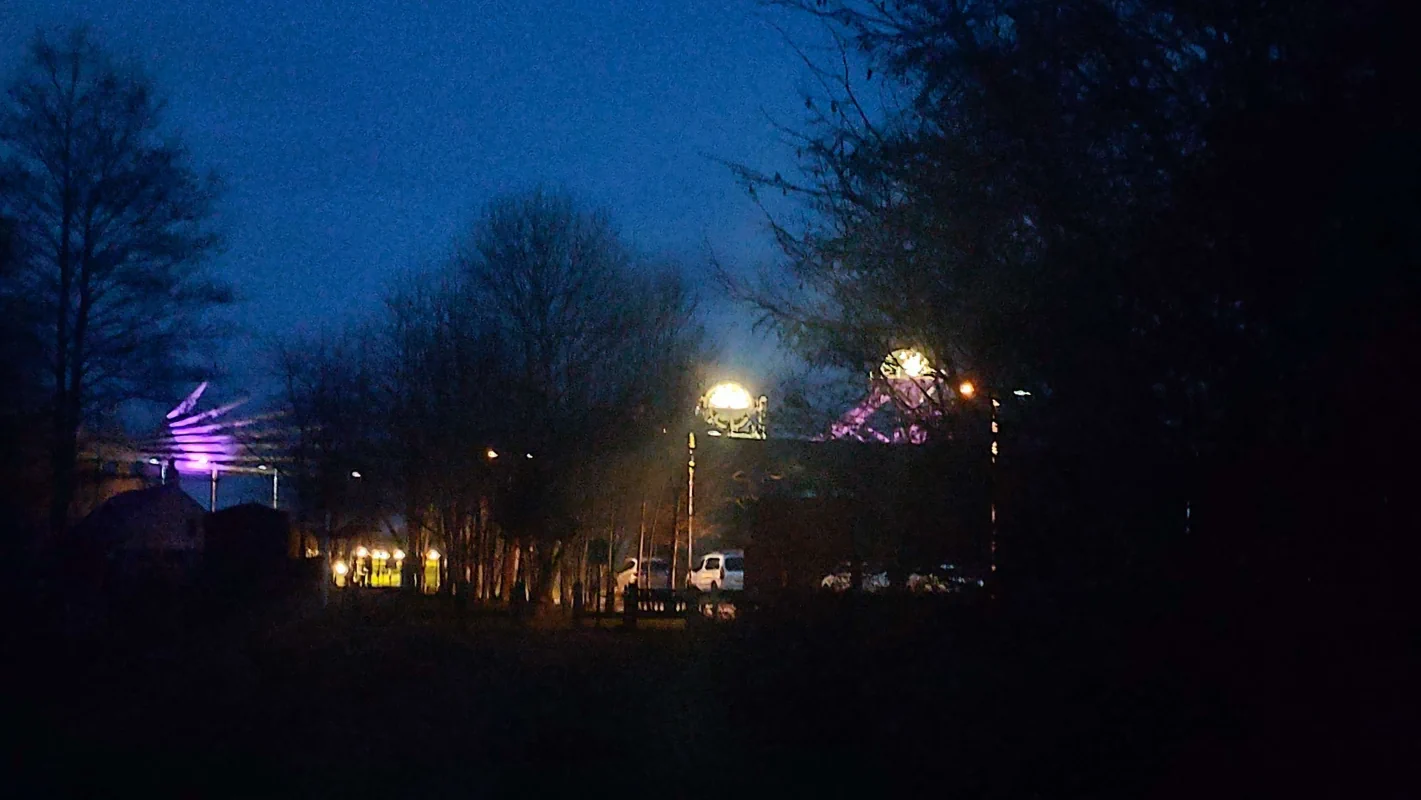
(729,396)
(275,480)
(731,410)
(906,362)
(967,391)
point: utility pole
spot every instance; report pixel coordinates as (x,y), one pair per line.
(641,547)
(690,503)
(992,496)
(611,548)
(675,543)
(326,557)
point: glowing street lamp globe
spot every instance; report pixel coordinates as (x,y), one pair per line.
(906,363)
(729,397)
(731,410)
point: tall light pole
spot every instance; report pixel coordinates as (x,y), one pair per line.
(690,502)
(275,477)
(992,498)
(730,410)
(966,390)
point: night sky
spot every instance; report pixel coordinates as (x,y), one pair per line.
(359,138)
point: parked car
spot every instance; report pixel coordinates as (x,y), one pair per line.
(942,579)
(720,571)
(657,574)
(875,579)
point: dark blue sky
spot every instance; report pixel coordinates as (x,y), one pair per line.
(359,136)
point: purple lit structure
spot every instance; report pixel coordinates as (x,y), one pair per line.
(906,391)
(210,444)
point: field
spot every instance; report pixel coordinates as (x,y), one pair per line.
(384,697)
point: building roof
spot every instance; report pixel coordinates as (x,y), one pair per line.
(161,518)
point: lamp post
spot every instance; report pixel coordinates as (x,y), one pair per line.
(966,390)
(690,503)
(733,412)
(275,478)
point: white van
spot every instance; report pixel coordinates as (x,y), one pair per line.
(720,571)
(656,575)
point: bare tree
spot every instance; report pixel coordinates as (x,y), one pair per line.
(439,390)
(328,385)
(598,348)
(503,397)
(114,227)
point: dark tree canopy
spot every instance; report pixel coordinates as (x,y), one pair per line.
(546,341)
(114,228)
(1167,220)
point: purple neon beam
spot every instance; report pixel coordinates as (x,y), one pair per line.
(189,403)
(854,424)
(202,448)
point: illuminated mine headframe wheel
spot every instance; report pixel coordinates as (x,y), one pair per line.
(730,410)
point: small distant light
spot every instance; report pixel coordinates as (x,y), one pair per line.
(399,554)
(527,455)
(153,460)
(966,389)
(432,555)
(261,467)
(355,473)
(981,582)
(491,453)
(361,552)
(201,461)
(340,568)
(1021,393)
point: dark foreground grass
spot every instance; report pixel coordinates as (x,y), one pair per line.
(385,699)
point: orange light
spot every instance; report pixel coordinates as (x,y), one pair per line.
(966,389)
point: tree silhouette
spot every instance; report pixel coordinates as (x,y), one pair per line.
(1137,212)
(597,346)
(113,223)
